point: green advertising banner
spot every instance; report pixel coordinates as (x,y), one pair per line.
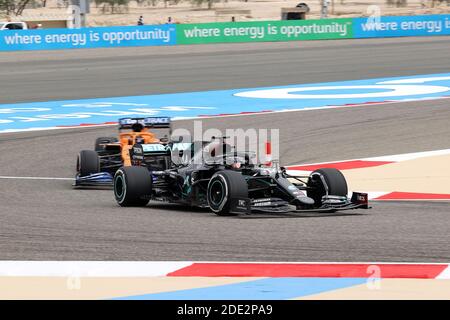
(284,30)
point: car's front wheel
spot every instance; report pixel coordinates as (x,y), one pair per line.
(326,181)
(88,163)
(132,186)
(222,188)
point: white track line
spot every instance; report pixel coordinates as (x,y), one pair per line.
(89,268)
(57,128)
(410,156)
(389,158)
(36,178)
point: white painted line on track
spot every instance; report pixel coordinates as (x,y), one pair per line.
(57,128)
(36,178)
(409,156)
(90,268)
(390,158)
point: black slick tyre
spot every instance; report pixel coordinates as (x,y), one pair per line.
(222,188)
(132,186)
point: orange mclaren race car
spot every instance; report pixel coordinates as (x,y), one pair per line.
(97,167)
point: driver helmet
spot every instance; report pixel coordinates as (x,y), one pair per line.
(137,127)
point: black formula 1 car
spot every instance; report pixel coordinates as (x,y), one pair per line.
(212,175)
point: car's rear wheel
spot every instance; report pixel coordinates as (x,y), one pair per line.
(132,186)
(326,180)
(99,142)
(88,163)
(222,188)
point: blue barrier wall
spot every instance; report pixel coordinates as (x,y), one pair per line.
(158,35)
(50,39)
(403,26)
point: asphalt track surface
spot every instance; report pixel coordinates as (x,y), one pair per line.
(47,220)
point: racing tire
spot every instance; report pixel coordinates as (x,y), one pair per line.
(222,188)
(132,186)
(104,140)
(88,163)
(334,179)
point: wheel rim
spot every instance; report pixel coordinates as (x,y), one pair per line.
(119,187)
(216,193)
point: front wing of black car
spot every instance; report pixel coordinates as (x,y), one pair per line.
(275,205)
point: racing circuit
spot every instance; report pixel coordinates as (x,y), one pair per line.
(43,218)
